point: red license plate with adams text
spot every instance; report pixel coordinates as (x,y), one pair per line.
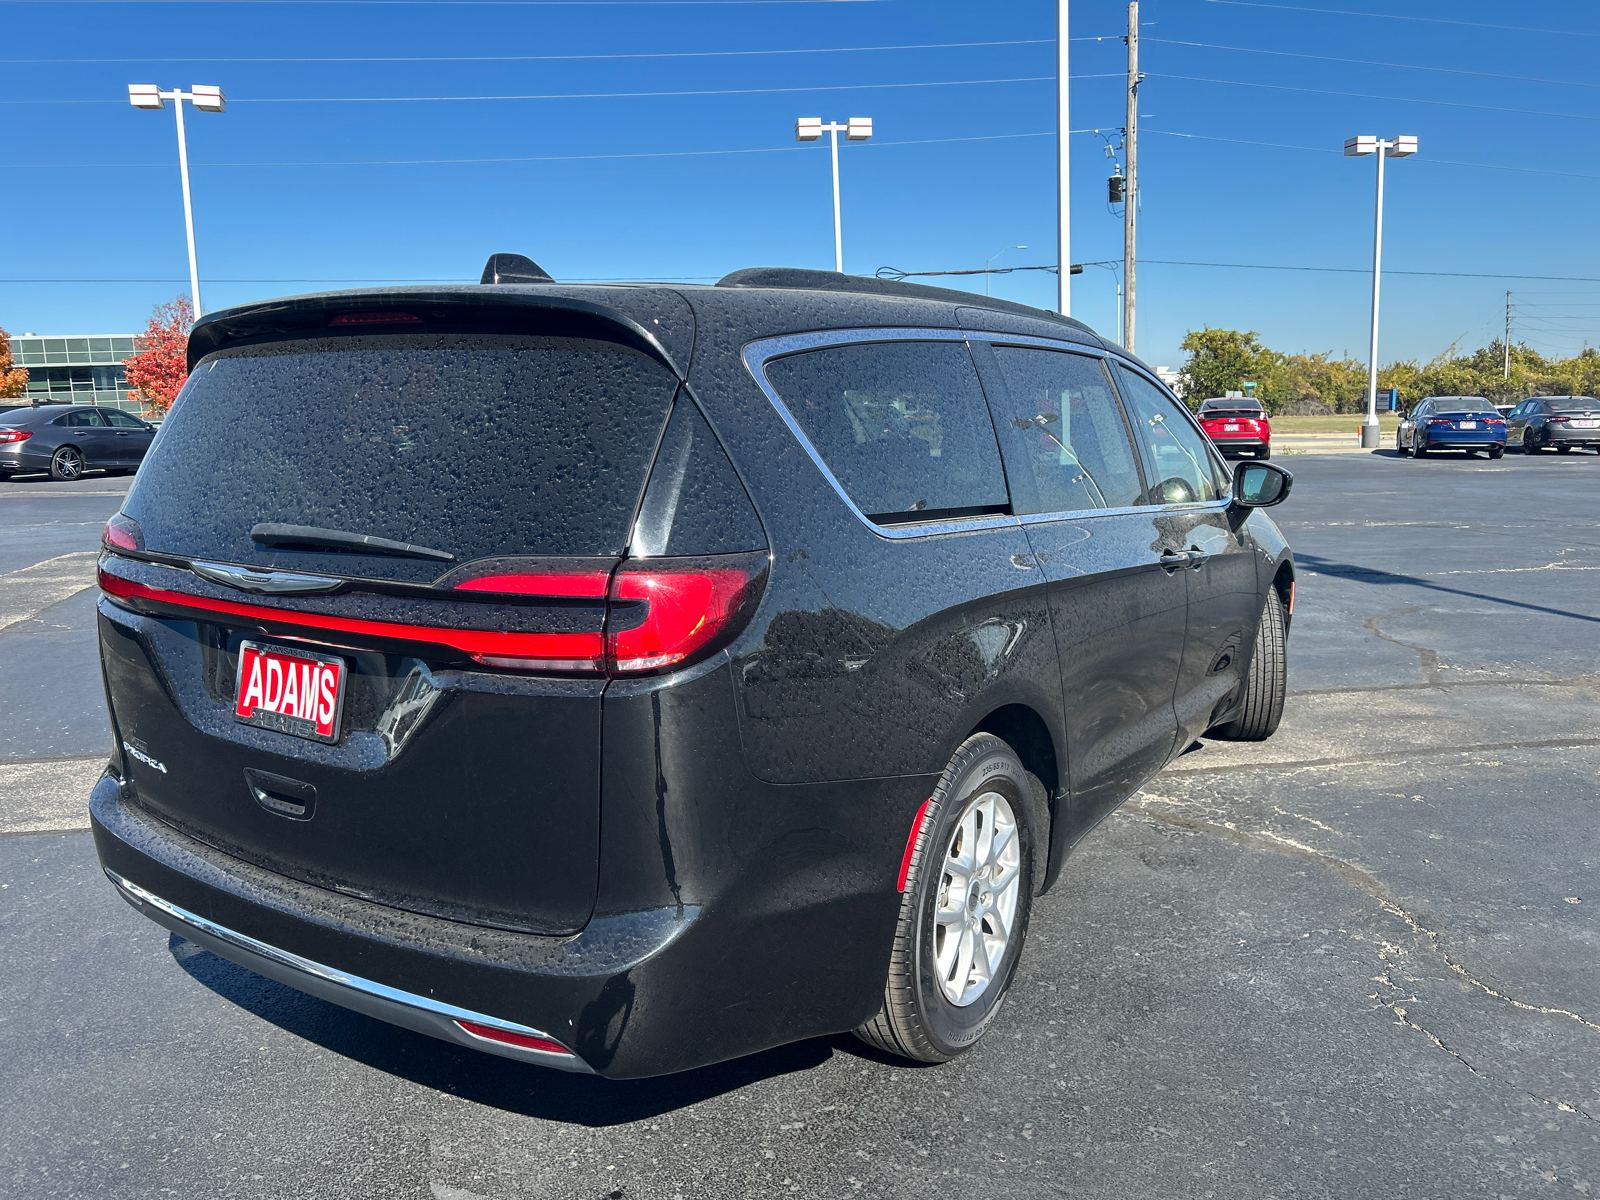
(291,690)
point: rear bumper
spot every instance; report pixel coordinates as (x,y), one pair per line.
(406,1009)
(1244,443)
(1574,437)
(1463,439)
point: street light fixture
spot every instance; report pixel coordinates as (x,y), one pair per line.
(990,259)
(857,129)
(206,98)
(1399,147)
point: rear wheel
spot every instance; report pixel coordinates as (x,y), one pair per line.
(1472,454)
(1264,452)
(964,913)
(1417,448)
(1267,683)
(1563,449)
(1530,444)
(1496,451)
(66,464)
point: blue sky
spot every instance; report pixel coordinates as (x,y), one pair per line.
(92,188)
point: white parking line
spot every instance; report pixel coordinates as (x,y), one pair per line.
(49,796)
(28,592)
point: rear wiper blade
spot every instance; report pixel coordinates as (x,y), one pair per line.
(269,534)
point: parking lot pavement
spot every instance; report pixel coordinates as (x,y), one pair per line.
(1357,959)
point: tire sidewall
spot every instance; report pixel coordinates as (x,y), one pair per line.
(994,768)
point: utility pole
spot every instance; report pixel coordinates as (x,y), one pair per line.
(1130,206)
(1063,171)
(1506,345)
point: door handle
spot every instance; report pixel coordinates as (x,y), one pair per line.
(1173,561)
(1197,559)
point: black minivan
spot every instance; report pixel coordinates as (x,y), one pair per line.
(626,678)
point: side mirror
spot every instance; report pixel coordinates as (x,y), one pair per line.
(1260,485)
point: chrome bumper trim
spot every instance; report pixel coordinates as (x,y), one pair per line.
(406,1009)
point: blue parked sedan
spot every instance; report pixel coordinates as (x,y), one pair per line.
(1467,423)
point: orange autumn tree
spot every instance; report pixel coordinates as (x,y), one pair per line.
(160,361)
(12,382)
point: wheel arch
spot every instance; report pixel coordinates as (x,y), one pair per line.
(1022,728)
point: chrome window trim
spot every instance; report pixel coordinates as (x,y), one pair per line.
(756,356)
(758,353)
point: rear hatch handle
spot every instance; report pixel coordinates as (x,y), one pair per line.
(282,795)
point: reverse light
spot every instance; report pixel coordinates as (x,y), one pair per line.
(507,1038)
(16,435)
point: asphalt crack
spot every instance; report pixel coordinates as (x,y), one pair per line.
(1363,881)
(1427,658)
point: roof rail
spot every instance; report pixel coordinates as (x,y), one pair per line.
(804,279)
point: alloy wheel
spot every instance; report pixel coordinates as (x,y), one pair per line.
(977,904)
(68,463)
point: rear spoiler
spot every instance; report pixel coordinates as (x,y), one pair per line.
(421,310)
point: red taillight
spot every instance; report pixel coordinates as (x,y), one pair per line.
(1441,421)
(1494,421)
(507,1038)
(1557,420)
(583,585)
(375,318)
(526,651)
(16,435)
(663,611)
(123,532)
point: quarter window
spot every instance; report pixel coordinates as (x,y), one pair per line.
(1065,440)
(902,425)
(1177,456)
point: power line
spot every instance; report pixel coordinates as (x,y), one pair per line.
(429,162)
(1340,12)
(1364,62)
(1281,87)
(1173,262)
(1441,162)
(556,57)
(841,87)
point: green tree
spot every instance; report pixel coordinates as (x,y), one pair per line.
(1221,361)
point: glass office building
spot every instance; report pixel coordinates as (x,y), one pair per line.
(74,370)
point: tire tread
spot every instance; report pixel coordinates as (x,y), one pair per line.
(1267,682)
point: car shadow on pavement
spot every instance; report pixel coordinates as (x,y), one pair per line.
(1358,574)
(484,1078)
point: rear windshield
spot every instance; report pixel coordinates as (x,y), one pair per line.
(1211,414)
(476,444)
(1581,404)
(1462,404)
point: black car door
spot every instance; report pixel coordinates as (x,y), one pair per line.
(1117,593)
(1224,593)
(130,438)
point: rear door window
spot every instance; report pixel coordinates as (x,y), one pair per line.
(902,426)
(1177,455)
(122,420)
(481,445)
(1067,446)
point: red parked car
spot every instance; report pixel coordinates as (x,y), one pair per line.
(1237,426)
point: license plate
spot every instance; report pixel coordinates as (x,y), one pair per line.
(291,690)
(1466,424)
(1230,429)
(1583,424)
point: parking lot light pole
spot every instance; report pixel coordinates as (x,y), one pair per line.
(207,99)
(1399,147)
(857,129)
(990,261)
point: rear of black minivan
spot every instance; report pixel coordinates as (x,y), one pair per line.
(361,609)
